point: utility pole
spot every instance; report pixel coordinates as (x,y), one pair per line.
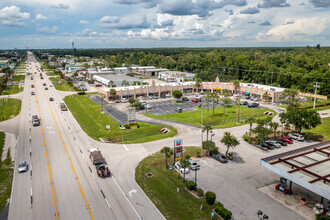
(316,86)
(201,128)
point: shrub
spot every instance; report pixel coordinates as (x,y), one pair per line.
(190,185)
(322,217)
(75,88)
(200,192)
(127,126)
(131,100)
(245,137)
(222,211)
(210,197)
(82,93)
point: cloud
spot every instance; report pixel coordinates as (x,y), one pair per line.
(12,16)
(230,11)
(251,22)
(143,3)
(124,23)
(266,23)
(83,22)
(61,6)
(47,30)
(251,11)
(40,17)
(321,3)
(273,4)
(167,23)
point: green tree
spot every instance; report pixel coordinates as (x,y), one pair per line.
(113,92)
(177,94)
(184,165)
(262,130)
(111,83)
(229,140)
(198,82)
(209,146)
(225,100)
(265,96)
(238,101)
(215,100)
(292,96)
(207,128)
(250,121)
(136,83)
(125,83)
(207,98)
(167,152)
(274,126)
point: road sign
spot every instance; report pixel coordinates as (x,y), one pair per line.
(177,149)
(130,114)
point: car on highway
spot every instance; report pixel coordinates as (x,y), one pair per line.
(41,77)
(296,136)
(22,166)
(46,88)
(219,157)
(177,166)
(50,85)
(178,109)
(286,139)
(32,93)
(63,107)
(193,165)
(274,144)
(253,104)
(44,84)
(268,146)
(194,100)
(51,99)
(32,86)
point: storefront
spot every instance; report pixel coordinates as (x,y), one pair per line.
(127,96)
(217,90)
(187,90)
(113,97)
(140,95)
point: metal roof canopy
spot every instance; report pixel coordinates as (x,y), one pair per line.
(308,167)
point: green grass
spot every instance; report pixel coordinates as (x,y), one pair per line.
(6,175)
(162,189)
(19,78)
(51,73)
(63,87)
(13,89)
(9,108)
(219,120)
(321,130)
(93,122)
(309,104)
(55,79)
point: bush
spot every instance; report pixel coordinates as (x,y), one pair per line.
(75,88)
(214,151)
(245,137)
(200,192)
(131,100)
(210,197)
(222,211)
(82,93)
(190,185)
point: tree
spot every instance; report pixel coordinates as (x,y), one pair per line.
(250,121)
(209,146)
(265,96)
(177,94)
(136,83)
(274,125)
(207,98)
(237,85)
(225,99)
(167,152)
(198,82)
(125,83)
(184,164)
(113,92)
(291,95)
(229,141)
(262,130)
(301,118)
(207,128)
(215,99)
(86,66)
(111,83)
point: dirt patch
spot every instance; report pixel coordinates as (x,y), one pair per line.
(10,143)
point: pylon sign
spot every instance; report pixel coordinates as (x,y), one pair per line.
(178,149)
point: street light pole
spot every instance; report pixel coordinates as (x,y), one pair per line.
(196,178)
(316,86)
(201,128)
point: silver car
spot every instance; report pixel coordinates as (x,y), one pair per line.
(22,166)
(194,165)
(296,136)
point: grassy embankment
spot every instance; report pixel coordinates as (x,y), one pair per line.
(218,120)
(9,108)
(93,122)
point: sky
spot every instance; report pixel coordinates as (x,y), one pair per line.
(163,23)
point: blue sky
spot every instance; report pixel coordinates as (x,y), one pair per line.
(163,23)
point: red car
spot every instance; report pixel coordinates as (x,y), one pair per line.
(194,100)
(98,85)
(286,139)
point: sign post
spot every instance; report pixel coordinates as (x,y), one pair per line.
(130,114)
(178,149)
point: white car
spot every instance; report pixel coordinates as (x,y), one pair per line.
(194,165)
(140,98)
(123,100)
(256,99)
(150,97)
(168,96)
(148,106)
(22,166)
(178,167)
(296,136)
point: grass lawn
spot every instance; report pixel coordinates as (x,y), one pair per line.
(51,73)
(93,122)
(323,129)
(309,104)
(9,108)
(13,89)
(162,189)
(6,175)
(18,78)
(219,120)
(55,79)
(63,87)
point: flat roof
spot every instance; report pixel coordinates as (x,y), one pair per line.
(264,87)
(117,77)
(308,167)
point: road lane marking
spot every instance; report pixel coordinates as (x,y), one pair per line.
(49,170)
(125,147)
(66,150)
(207,163)
(132,191)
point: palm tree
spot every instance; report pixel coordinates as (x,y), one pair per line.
(274,125)
(184,165)
(236,84)
(265,96)
(167,151)
(225,100)
(198,82)
(250,121)
(207,128)
(215,99)
(207,97)
(229,140)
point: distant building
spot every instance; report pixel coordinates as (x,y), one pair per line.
(152,72)
(105,79)
(175,76)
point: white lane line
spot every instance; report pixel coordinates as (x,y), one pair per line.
(107,202)
(93,175)
(125,147)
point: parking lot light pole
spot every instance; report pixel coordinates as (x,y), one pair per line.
(212,136)
(196,178)
(201,128)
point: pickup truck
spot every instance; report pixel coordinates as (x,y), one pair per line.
(35,120)
(96,156)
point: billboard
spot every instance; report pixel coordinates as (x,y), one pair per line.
(178,149)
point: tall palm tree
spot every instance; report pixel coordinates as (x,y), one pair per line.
(274,126)
(207,97)
(207,128)
(225,99)
(265,96)
(167,151)
(198,82)
(250,121)
(215,99)
(237,85)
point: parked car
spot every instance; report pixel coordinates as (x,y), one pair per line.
(194,100)
(141,106)
(296,136)
(194,165)
(247,97)
(244,103)
(282,143)
(22,166)
(168,96)
(286,139)
(253,104)
(98,85)
(123,100)
(51,99)
(184,98)
(178,109)
(150,97)
(274,143)
(155,97)
(256,99)
(148,106)
(220,158)
(268,146)
(177,166)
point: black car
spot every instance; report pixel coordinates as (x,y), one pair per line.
(185,99)
(266,145)
(51,99)
(244,103)
(253,104)
(283,143)
(247,97)
(220,158)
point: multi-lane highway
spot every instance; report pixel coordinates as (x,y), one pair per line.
(61,182)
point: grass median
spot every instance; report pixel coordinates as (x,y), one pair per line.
(13,89)
(161,188)
(6,174)
(218,120)
(320,104)
(18,78)
(93,122)
(9,108)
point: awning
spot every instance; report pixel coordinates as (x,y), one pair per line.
(165,91)
(128,95)
(216,89)
(113,95)
(247,93)
(243,92)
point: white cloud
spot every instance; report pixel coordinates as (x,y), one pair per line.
(47,30)
(83,22)
(61,6)
(40,17)
(110,19)
(12,16)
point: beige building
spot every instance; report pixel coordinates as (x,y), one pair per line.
(247,89)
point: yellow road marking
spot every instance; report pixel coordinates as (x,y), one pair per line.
(46,151)
(66,150)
